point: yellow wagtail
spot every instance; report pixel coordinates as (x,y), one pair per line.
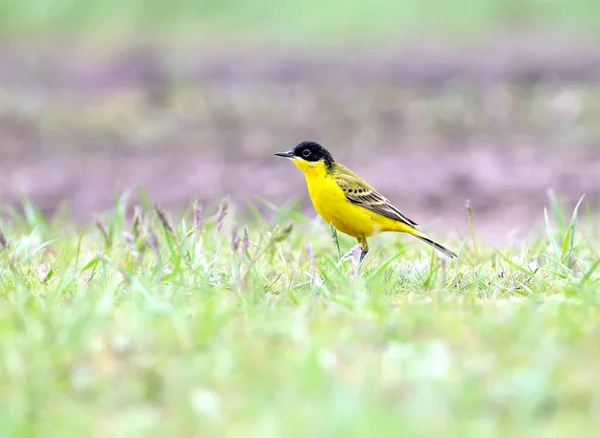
(349,203)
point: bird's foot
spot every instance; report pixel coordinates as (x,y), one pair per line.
(363,254)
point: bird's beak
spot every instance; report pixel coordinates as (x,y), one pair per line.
(285,154)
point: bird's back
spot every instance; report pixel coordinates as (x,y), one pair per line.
(339,170)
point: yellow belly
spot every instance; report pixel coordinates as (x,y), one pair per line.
(331,204)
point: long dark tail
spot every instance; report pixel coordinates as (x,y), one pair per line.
(437,246)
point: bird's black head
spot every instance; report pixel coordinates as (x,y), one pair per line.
(309,151)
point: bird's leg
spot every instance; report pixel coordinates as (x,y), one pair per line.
(364,246)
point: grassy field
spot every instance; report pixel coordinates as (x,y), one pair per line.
(214,323)
(296,21)
(220,325)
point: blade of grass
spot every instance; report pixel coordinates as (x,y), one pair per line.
(557,210)
(550,233)
(586,277)
(569,239)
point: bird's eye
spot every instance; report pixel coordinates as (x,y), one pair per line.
(305,153)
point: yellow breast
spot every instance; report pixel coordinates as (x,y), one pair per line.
(331,203)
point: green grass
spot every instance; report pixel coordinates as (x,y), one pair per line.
(179,328)
(306,20)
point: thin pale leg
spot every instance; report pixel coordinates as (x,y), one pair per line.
(364,246)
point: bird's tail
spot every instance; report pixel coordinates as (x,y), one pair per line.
(440,248)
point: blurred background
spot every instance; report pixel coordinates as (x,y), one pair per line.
(434,102)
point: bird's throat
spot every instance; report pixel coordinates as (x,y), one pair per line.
(312,169)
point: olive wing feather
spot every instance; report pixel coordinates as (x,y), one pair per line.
(360,193)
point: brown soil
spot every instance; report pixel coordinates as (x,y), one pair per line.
(507,191)
(59,151)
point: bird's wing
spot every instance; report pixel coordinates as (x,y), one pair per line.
(360,193)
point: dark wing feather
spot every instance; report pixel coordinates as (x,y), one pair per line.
(360,193)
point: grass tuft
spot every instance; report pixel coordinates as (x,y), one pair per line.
(164,219)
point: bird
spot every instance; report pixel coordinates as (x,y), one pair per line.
(347,202)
